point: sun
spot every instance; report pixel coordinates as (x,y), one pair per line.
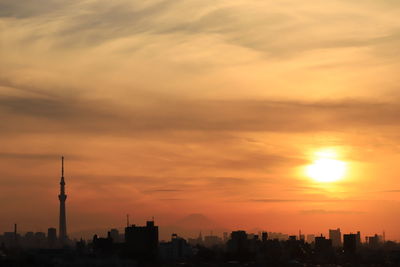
(326,168)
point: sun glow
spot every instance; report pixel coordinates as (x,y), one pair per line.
(326,168)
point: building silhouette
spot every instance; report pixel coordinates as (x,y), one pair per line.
(238,245)
(102,246)
(310,238)
(176,249)
(62,197)
(142,241)
(264,236)
(358,238)
(350,243)
(115,236)
(52,237)
(373,241)
(212,240)
(336,237)
(322,245)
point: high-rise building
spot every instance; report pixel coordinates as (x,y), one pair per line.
(322,245)
(62,197)
(142,241)
(336,237)
(238,244)
(52,237)
(114,234)
(40,240)
(358,238)
(264,236)
(373,241)
(212,240)
(350,243)
(310,238)
(176,250)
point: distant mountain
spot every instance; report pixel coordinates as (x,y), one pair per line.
(196,221)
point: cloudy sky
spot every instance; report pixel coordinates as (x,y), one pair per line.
(169,107)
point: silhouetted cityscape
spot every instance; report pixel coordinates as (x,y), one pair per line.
(140,246)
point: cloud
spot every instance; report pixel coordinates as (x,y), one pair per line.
(390,191)
(48,108)
(300,29)
(322,212)
(53,114)
(163,190)
(24,10)
(39,156)
(171,199)
(28,89)
(275,200)
(314,200)
(78,115)
(257,160)
(107,21)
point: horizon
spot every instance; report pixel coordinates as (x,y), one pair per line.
(194,231)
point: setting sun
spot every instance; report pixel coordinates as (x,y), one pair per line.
(326,169)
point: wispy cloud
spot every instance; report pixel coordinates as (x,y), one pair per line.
(322,212)
(163,190)
(39,156)
(391,191)
(315,200)
(99,117)
(89,23)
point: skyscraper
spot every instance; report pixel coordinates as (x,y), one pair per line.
(62,197)
(142,241)
(51,237)
(350,243)
(322,245)
(336,237)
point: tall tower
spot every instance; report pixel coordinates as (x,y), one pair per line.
(62,197)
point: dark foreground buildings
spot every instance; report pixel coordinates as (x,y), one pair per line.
(140,246)
(142,241)
(350,244)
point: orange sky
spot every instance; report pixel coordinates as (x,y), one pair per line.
(168,108)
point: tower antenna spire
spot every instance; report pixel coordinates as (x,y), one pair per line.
(62,166)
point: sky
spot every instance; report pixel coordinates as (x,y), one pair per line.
(167,108)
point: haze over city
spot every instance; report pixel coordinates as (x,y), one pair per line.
(270,115)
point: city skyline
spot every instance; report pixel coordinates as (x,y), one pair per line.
(256,114)
(150,233)
(333,234)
